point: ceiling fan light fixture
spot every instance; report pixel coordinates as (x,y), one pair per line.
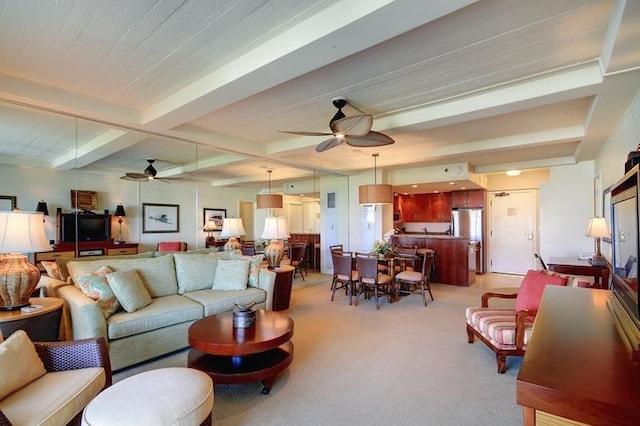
(376,193)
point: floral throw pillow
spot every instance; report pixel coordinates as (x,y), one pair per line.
(96,287)
(254,266)
(51,266)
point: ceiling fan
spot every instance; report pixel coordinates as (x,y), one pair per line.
(149,174)
(354,130)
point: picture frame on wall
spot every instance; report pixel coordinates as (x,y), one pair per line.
(215,215)
(160,218)
(8,203)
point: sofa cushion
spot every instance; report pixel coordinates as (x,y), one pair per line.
(129,290)
(254,266)
(194,271)
(55,398)
(532,287)
(498,325)
(163,312)
(51,266)
(157,273)
(64,270)
(231,275)
(217,301)
(19,363)
(96,287)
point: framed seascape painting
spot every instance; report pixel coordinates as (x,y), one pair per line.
(159,218)
(213,217)
(7,203)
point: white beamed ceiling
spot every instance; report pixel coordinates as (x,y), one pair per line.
(493,83)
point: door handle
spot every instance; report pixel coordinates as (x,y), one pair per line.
(529,235)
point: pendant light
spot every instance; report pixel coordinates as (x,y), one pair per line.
(376,193)
(269,201)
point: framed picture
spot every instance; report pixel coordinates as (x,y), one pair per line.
(84,200)
(159,218)
(214,215)
(7,203)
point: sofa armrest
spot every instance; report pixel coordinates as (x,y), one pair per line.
(49,286)
(76,354)
(488,295)
(4,421)
(267,282)
(83,315)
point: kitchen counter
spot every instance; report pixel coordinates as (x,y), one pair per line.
(452,265)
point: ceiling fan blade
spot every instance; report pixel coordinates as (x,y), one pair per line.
(138,176)
(306,133)
(370,139)
(134,179)
(356,125)
(328,144)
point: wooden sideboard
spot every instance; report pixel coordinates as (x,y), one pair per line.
(576,366)
(85,248)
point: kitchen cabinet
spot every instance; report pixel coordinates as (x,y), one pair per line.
(470,198)
(424,207)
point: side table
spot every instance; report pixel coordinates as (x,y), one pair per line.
(41,326)
(282,291)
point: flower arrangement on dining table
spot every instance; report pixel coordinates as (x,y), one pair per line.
(384,246)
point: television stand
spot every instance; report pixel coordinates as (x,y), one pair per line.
(85,248)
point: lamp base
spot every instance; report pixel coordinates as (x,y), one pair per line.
(18,279)
(273,253)
(232,244)
(598,260)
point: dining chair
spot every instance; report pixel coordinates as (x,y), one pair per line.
(344,276)
(297,256)
(401,252)
(370,281)
(416,280)
(337,247)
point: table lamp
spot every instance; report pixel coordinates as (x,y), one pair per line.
(20,232)
(210,227)
(598,229)
(275,230)
(120,213)
(232,228)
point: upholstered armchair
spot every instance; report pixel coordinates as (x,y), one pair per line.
(169,246)
(74,373)
(506,330)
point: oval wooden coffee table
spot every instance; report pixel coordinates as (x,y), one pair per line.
(242,355)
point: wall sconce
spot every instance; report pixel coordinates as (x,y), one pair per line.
(120,213)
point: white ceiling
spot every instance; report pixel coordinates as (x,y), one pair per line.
(497,84)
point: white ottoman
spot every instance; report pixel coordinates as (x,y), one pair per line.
(166,396)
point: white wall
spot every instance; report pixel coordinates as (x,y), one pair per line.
(31,185)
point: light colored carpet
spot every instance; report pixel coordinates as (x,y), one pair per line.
(404,364)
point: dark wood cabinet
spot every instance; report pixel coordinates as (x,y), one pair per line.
(438,207)
(470,198)
(85,248)
(424,207)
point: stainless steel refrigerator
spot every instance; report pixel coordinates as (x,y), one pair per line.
(469,223)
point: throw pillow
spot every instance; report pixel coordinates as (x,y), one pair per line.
(129,290)
(194,271)
(532,287)
(254,266)
(19,363)
(96,287)
(231,275)
(51,266)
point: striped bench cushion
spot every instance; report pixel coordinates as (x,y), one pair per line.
(498,325)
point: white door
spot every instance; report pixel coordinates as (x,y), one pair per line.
(512,231)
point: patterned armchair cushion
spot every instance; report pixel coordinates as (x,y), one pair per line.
(498,325)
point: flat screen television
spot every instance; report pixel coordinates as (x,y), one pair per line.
(84,227)
(625,242)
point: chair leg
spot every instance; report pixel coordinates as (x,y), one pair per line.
(502,363)
(429,286)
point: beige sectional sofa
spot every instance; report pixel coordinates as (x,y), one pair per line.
(175,290)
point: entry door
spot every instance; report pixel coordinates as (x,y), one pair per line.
(512,236)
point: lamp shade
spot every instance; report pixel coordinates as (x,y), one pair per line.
(232,227)
(119,211)
(22,232)
(269,201)
(42,208)
(275,228)
(375,194)
(598,228)
(210,226)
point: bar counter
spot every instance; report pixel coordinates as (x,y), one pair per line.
(452,264)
